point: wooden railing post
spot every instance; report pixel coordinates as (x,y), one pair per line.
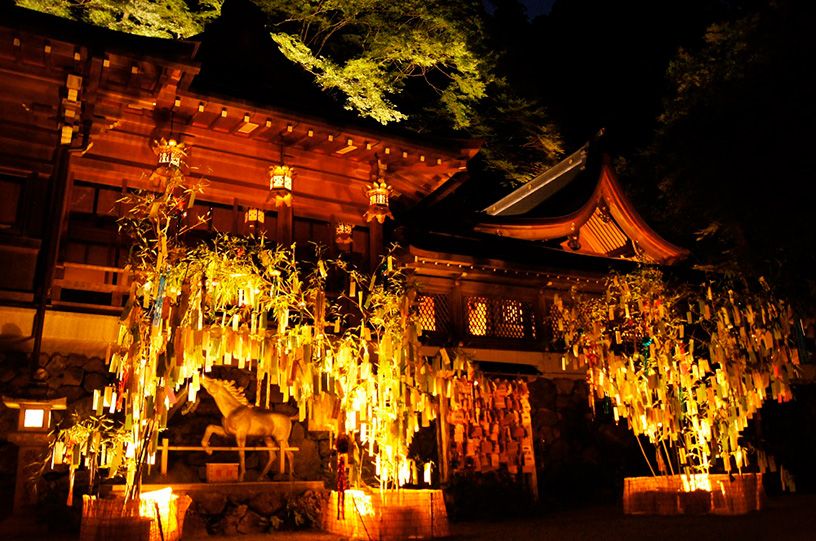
(165,449)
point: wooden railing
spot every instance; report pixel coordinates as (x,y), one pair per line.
(80,285)
(165,449)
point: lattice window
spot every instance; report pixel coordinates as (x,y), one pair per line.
(477,316)
(500,318)
(427,313)
(434,315)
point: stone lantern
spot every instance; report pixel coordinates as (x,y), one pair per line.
(32,438)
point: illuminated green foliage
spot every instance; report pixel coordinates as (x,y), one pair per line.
(165,19)
(369,49)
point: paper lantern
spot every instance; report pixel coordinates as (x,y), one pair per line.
(254,218)
(378,194)
(342,234)
(280,184)
(170,153)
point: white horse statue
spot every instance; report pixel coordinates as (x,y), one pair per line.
(242,420)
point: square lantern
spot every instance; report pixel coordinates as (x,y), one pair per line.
(170,153)
(280,184)
(35,415)
(254,219)
(343,234)
(378,195)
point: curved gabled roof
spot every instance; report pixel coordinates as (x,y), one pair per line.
(606,225)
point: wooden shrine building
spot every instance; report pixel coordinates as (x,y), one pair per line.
(82,110)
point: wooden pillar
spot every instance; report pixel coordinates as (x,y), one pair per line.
(457,312)
(375,243)
(283,225)
(542,331)
(443,437)
(236,218)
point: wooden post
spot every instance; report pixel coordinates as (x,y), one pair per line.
(543,332)
(283,225)
(375,243)
(282,463)
(165,449)
(236,218)
(443,432)
(457,312)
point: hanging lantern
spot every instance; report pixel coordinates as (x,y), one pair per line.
(280,184)
(378,194)
(170,153)
(170,156)
(342,234)
(254,218)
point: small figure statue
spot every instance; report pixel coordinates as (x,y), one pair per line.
(342,474)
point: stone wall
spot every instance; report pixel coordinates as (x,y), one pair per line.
(252,509)
(580,457)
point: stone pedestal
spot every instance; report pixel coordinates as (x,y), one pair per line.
(719,494)
(32,446)
(390,515)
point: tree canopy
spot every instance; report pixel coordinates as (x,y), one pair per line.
(730,152)
(687,366)
(369,49)
(166,19)
(431,65)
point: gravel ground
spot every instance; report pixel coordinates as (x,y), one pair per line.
(786,518)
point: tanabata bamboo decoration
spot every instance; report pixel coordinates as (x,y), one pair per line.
(687,367)
(244,303)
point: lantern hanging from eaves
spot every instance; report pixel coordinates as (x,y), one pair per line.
(170,156)
(254,219)
(280,184)
(343,234)
(170,153)
(378,194)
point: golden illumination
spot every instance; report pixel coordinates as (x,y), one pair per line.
(170,153)
(477,317)
(254,217)
(692,391)
(34,418)
(696,481)
(378,194)
(161,498)
(343,234)
(280,184)
(361,501)
(167,510)
(426,305)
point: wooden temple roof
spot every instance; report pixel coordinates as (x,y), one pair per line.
(605,225)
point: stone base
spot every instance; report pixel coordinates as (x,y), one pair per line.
(388,516)
(674,494)
(239,508)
